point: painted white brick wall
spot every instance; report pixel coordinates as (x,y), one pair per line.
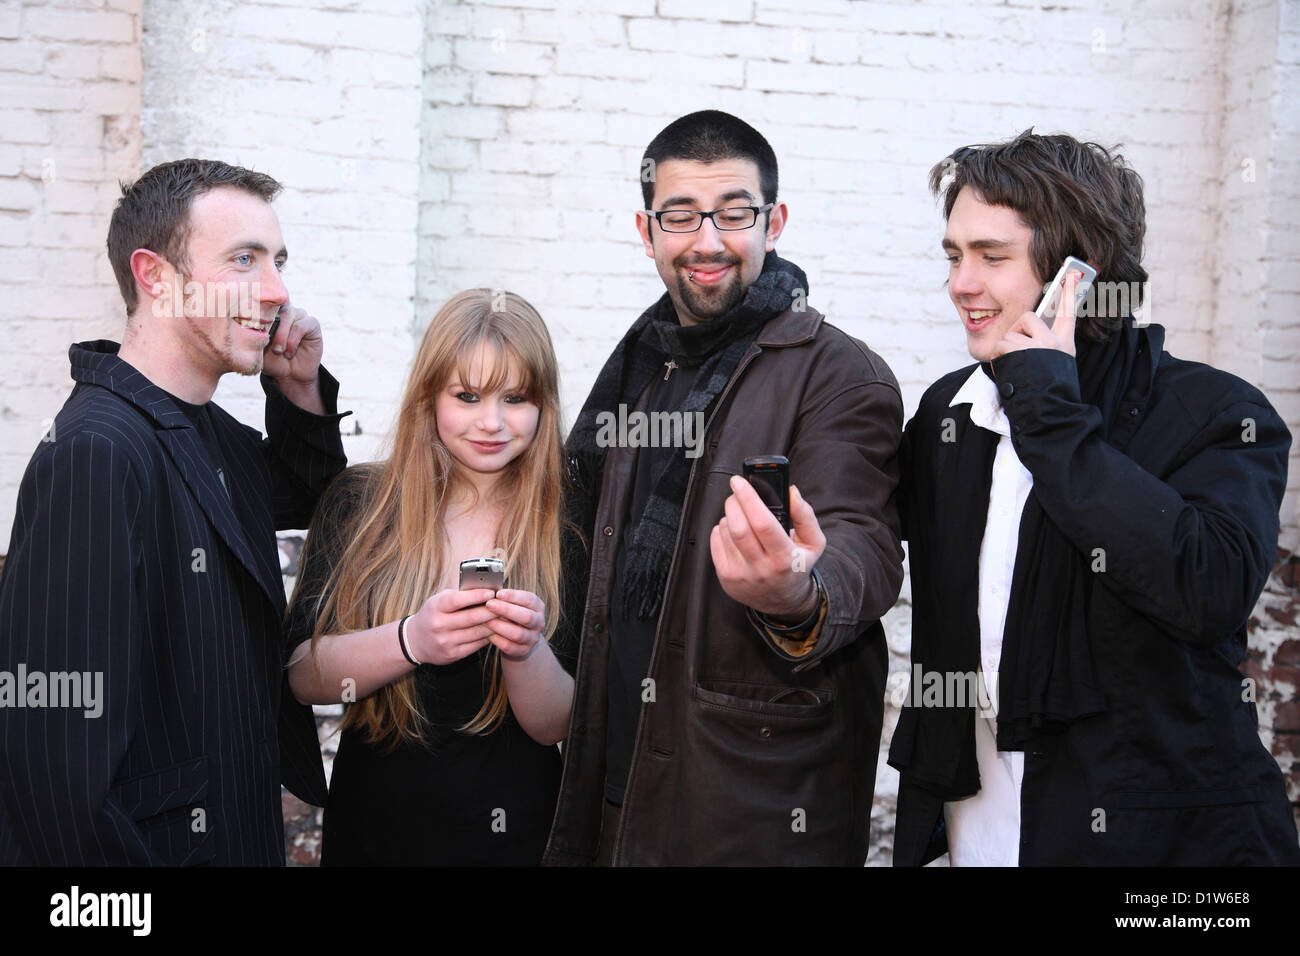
(326,100)
(432,147)
(1257,308)
(1280,321)
(536,116)
(69,129)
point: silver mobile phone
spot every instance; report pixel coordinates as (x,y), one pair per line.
(1050,303)
(487,573)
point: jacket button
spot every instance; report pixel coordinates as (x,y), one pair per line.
(1133,412)
(598,627)
(765,732)
(607,531)
(1007,389)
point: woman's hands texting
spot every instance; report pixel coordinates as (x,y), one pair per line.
(453,624)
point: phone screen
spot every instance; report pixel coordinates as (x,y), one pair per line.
(770,476)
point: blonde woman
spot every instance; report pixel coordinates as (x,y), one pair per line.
(455,699)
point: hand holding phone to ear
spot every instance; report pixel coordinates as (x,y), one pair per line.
(1051,325)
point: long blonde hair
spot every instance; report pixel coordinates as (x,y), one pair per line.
(395,554)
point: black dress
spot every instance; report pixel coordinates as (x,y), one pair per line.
(456,800)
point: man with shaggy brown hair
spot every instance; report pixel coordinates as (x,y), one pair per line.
(1090,523)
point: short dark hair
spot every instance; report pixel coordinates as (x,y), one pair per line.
(710,136)
(153,212)
(1080,199)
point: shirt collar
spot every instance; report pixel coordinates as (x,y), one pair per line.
(985,406)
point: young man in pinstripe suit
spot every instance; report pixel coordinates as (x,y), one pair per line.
(144,554)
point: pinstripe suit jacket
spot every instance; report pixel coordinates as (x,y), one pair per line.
(129,559)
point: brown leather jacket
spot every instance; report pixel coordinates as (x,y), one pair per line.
(748,755)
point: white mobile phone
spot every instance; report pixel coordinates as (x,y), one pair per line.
(1050,303)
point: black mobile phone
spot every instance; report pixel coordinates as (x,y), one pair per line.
(487,573)
(770,476)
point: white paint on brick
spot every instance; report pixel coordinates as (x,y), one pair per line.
(432,147)
(69,131)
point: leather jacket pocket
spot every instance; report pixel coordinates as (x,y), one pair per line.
(798,704)
(768,772)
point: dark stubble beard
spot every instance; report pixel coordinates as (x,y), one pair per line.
(216,348)
(709,306)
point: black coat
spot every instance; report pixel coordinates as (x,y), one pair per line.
(1183,500)
(130,560)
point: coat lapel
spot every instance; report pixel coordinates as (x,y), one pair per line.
(200,476)
(97,363)
(963,480)
(931,744)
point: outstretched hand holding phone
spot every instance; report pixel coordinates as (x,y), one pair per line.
(752,553)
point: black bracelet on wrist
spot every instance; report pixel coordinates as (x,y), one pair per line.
(808,622)
(401,640)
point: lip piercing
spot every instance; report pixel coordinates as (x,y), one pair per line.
(691,277)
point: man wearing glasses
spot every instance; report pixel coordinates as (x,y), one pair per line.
(729,694)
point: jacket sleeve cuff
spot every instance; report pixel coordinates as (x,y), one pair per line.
(1027,373)
(790,644)
(284,414)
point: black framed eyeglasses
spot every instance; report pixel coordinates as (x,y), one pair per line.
(731,219)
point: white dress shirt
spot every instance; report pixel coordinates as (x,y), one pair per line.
(984,829)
